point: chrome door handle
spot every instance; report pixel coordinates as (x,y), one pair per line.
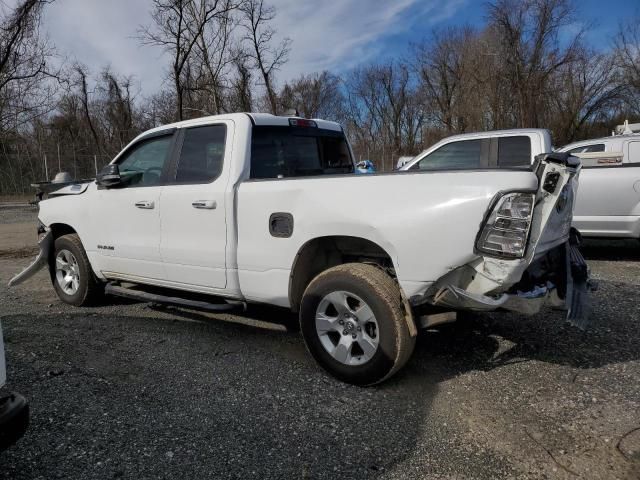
(206,204)
(145,204)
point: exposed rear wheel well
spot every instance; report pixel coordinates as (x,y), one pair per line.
(322,253)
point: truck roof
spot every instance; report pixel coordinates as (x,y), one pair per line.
(262,119)
(495,133)
(610,139)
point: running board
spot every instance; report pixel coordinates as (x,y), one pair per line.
(111,289)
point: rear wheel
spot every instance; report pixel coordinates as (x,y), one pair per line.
(354,325)
(73,279)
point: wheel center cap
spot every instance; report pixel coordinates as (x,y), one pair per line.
(349,326)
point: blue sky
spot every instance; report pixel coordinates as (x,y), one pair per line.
(604,16)
(327,34)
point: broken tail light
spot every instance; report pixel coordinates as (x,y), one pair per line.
(506,229)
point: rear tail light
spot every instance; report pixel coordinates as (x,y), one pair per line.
(506,230)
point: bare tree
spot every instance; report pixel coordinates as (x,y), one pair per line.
(266,56)
(117,110)
(178,27)
(527,32)
(583,91)
(81,71)
(627,57)
(443,71)
(216,57)
(385,117)
(317,95)
(241,98)
(24,65)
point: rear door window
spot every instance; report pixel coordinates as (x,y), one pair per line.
(201,155)
(453,156)
(514,151)
(284,152)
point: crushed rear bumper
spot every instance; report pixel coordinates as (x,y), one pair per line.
(456,298)
(570,293)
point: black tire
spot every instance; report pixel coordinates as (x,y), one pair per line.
(90,290)
(382,295)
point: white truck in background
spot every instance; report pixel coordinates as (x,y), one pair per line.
(496,149)
(608,201)
(240,208)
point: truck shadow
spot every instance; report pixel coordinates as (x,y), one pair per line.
(226,396)
(474,343)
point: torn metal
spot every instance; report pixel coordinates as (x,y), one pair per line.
(457,298)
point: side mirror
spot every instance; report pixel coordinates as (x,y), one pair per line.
(109,177)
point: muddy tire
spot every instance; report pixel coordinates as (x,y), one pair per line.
(353,322)
(71,273)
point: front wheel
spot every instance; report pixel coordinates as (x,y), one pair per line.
(354,324)
(71,273)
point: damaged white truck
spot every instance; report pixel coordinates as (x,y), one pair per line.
(222,211)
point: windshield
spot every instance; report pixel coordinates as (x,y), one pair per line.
(281,152)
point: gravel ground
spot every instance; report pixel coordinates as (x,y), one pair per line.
(129,391)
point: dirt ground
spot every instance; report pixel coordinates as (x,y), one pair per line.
(18,236)
(16,198)
(126,390)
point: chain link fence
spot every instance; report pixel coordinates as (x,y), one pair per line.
(18,172)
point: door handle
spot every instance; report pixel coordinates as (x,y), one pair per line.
(145,204)
(205,204)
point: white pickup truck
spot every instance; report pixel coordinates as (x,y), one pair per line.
(608,202)
(226,210)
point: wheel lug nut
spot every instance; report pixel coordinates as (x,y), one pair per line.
(353,336)
(341,322)
(359,329)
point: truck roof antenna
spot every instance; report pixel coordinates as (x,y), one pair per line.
(291,112)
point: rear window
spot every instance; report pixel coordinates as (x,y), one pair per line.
(282,152)
(453,156)
(514,151)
